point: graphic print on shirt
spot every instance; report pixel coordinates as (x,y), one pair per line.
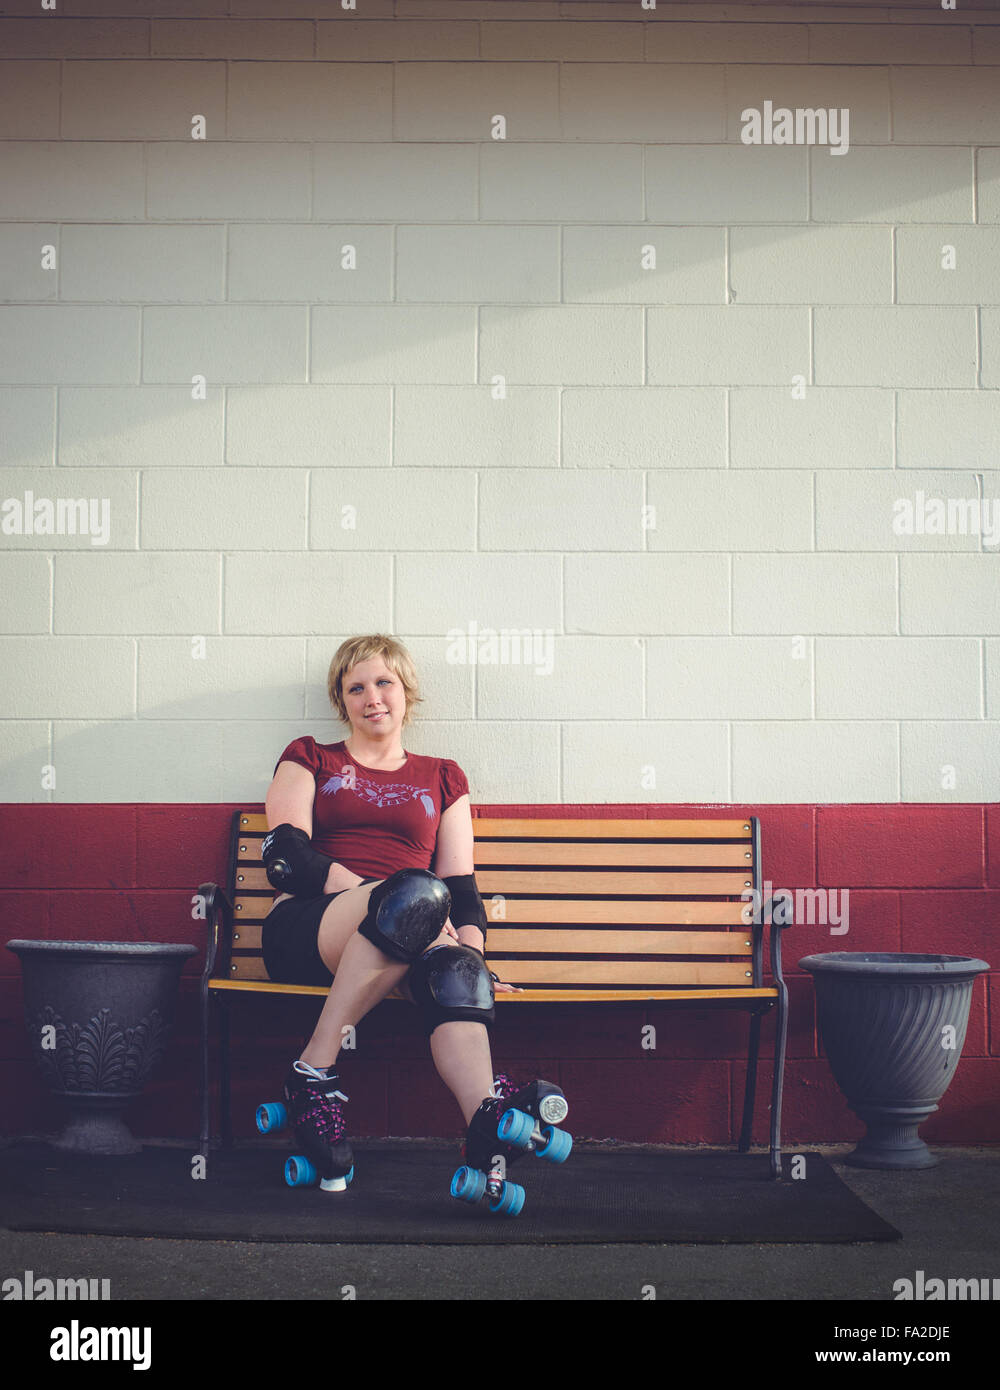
(391,794)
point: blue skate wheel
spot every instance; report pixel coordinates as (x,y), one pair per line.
(468,1184)
(271,1118)
(516,1128)
(510,1201)
(299,1172)
(557,1145)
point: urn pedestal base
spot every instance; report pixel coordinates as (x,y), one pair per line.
(96,1125)
(892,1140)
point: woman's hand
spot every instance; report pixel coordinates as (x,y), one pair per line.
(472,936)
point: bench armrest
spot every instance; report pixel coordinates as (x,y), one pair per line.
(786,902)
(217,905)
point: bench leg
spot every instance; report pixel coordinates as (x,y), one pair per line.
(778,1078)
(204,1138)
(751,1083)
(224,1091)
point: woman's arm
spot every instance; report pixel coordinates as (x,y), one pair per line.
(289,801)
(290,797)
(453,855)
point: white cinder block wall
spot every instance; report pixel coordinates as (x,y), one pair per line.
(461,316)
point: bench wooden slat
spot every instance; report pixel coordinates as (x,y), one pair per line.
(591,912)
(620,884)
(251,878)
(555,854)
(636,995)
(619,972)
(582,911)
(251,909)
(575,972)
(583,942)
(608,828)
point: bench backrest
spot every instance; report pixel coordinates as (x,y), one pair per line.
(600,904)
(615,903)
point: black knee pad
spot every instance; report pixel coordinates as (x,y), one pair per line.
(452,982)
(406,913)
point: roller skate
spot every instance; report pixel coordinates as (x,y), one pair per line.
(512,1122)
(314,1108)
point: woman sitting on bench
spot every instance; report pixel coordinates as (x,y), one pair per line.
(372,849)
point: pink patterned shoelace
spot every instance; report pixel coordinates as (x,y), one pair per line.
(503,1086)
(319,1106)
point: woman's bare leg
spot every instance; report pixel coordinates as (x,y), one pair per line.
(461,1052)
(363,975)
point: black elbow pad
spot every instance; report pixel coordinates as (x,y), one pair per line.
(291,863)
(467,908)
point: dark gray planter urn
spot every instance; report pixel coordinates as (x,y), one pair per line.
(99,1014)
(893,1027)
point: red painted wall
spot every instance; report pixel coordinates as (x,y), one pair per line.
(921,878)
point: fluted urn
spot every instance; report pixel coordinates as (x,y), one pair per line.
(99,1015)
(893,1027)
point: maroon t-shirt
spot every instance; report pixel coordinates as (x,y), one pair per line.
(376,822)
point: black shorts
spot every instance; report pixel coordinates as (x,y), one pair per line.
(289,938)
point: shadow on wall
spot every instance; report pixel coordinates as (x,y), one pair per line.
(222,746)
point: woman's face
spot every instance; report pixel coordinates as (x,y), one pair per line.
(374,697)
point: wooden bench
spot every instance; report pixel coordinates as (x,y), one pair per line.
(581,911)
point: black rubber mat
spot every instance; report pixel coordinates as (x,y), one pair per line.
(400,1196)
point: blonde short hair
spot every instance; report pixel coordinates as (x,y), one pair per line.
(357,649)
